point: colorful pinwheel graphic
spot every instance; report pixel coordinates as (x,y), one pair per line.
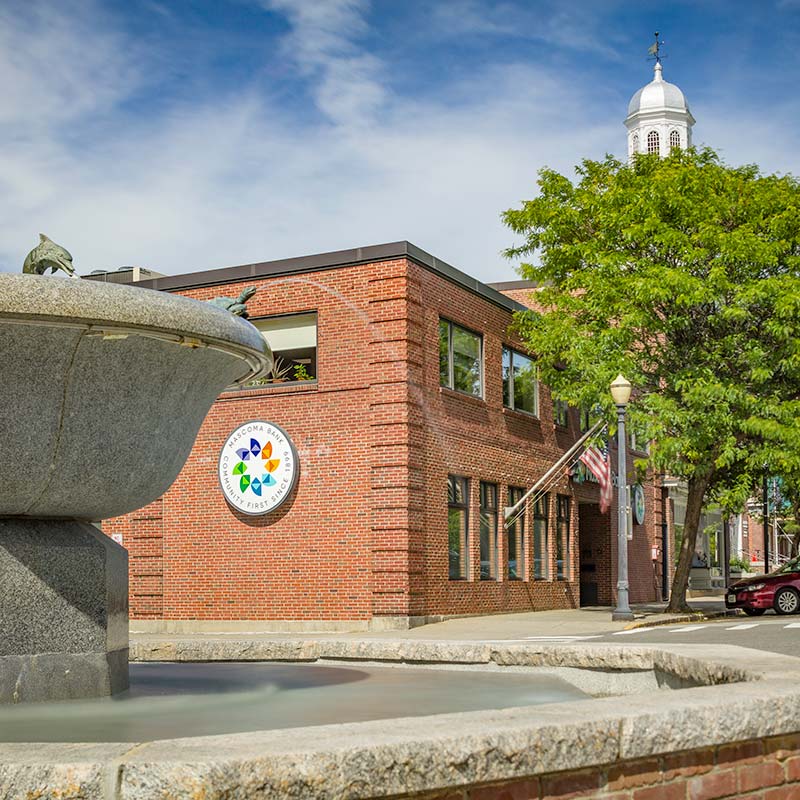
(256,472)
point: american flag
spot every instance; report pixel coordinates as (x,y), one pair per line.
(597,462)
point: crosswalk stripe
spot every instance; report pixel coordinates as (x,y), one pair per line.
(565,638)
(687,628)
(632,630)
(792,625)
(743,627)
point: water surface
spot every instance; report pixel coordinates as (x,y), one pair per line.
(168,701)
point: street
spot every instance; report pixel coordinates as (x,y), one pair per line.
(770,633)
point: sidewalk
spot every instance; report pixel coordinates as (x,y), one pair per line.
(566,622)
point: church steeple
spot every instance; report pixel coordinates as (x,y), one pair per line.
(658,114)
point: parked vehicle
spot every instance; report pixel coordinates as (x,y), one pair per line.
(779,590)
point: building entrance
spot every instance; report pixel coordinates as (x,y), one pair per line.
(594,536)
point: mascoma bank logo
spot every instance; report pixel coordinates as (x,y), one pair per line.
(257,467)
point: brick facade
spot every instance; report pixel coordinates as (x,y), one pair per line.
(761,769)
(364,534)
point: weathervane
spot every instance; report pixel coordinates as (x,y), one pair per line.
(655,50)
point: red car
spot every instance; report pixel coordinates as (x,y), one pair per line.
(779,590)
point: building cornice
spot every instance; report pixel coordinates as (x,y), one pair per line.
(333,260)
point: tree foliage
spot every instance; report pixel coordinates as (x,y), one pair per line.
(683,274)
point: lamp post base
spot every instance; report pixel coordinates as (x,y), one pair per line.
(622,616)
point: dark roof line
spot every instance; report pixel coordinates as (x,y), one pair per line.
(323,261)
(504,286)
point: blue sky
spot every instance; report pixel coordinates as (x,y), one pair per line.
(184,136)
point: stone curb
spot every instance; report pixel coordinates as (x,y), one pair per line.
(697,616)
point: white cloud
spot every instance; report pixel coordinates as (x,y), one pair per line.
(233,179)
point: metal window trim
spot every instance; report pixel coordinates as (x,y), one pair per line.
(451,367)
(465,508)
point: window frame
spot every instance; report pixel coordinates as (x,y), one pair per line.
(450,361)
(287,315)
(544,556)
(653,138)
(463,556)
(563,573)
(517,531)
(490,514)
(510,380)
(674,135)
(563,406)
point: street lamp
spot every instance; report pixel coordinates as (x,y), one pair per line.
(621,393)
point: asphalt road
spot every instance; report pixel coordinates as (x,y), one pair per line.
(771,633)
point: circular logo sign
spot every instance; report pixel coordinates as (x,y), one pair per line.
(257,467)
(638,503)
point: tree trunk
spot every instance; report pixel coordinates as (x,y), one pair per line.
(694,506)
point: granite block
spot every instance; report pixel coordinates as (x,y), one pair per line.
(63,611)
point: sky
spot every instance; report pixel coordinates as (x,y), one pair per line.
(183,136)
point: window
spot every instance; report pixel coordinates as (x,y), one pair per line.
(562,537)
(541,569)
(635,143)
(637,440)
(488,531)
(674,139)
(561,412)
(457,526)
(460,358)
(590,417)
(520,382)
(516,537)
(652,142)
(293,339)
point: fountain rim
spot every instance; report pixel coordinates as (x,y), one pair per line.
(447,751)
(117,311)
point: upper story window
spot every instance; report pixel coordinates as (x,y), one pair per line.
(293,339)
(674,139)
(590,416)
(460,358)
(635,143)
(637,440)
(520,382)
(652,142)
(561,413)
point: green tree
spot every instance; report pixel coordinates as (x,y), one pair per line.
(683,274)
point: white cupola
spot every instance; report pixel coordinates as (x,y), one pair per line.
(658,116)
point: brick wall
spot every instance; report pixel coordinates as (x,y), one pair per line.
(764,769)
(365,532)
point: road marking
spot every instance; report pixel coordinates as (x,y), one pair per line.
(632,630)
(564,638)
(792,625)
(687,628)
(743,627)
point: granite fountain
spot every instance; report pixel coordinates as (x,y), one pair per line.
(104,388)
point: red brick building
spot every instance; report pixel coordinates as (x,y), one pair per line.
(409,401)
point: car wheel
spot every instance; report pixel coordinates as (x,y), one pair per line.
(754,612)
(787,601)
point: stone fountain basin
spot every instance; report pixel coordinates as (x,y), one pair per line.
(738,695)
(104,390)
